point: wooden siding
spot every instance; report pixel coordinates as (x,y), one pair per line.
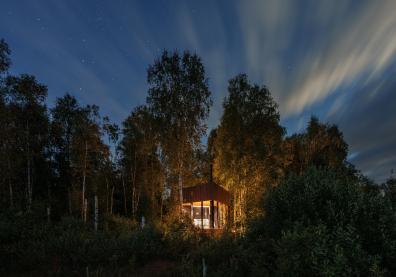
(204,192)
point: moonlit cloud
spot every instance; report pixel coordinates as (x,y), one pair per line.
(342,44)
(361,50)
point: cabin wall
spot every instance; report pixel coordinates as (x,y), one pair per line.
(206,214)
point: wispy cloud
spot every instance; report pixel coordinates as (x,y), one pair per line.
(339,45)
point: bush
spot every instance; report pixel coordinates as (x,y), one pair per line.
(29,245)
(323,225)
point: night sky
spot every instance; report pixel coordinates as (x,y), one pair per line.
(332,59)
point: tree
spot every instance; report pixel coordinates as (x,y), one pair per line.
(321,145)
(112,131)
(89,153)
(179,99)
(27,135)
(6,186)
(5,60)
(140,163)
(390,190)
(64,126)
(247,146)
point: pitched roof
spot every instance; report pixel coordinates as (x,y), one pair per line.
(204,192)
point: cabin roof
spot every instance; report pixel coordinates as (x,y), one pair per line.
(204,192)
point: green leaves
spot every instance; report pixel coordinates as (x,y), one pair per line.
(328,225)
(246,146)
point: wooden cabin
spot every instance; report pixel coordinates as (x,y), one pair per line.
(207,204)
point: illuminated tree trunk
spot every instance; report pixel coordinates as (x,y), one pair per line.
(181,192)
(180,181)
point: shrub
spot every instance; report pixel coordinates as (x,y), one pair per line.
(323,224)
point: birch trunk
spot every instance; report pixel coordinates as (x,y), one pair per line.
(70,200)
(84,179)
(162,205)
(96,216)
(85,209)
(125,196)
(134,193)
(111,200)
(48,215)
(10,184)
(29,184)
(107,195)
(181,184)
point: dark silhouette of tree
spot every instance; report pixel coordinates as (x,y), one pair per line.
(140,164)
(321,145)
(5,52)
(27,136)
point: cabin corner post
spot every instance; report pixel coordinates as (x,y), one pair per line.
(192,212)
(211,218)
(202,211)
(218,213)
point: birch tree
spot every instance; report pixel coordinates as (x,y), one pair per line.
(88,152)
(179,99)
(64,126)
(140,163)
(27,124)
(247,146)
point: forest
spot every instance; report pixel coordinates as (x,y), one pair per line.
(83,196)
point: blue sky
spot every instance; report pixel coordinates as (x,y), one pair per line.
(333,59)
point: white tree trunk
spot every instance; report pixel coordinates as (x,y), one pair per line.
(70,200)
(111,200)
(29,181)
(134,189)
(96,216)
(125,196)
(10,185)
(85,209)
(84,179)
(48,215)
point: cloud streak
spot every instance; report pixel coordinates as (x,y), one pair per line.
(328,48)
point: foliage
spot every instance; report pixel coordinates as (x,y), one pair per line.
(322,224)
(29,244)
(5,52)
(321,145)
(179,99)
(246,146)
